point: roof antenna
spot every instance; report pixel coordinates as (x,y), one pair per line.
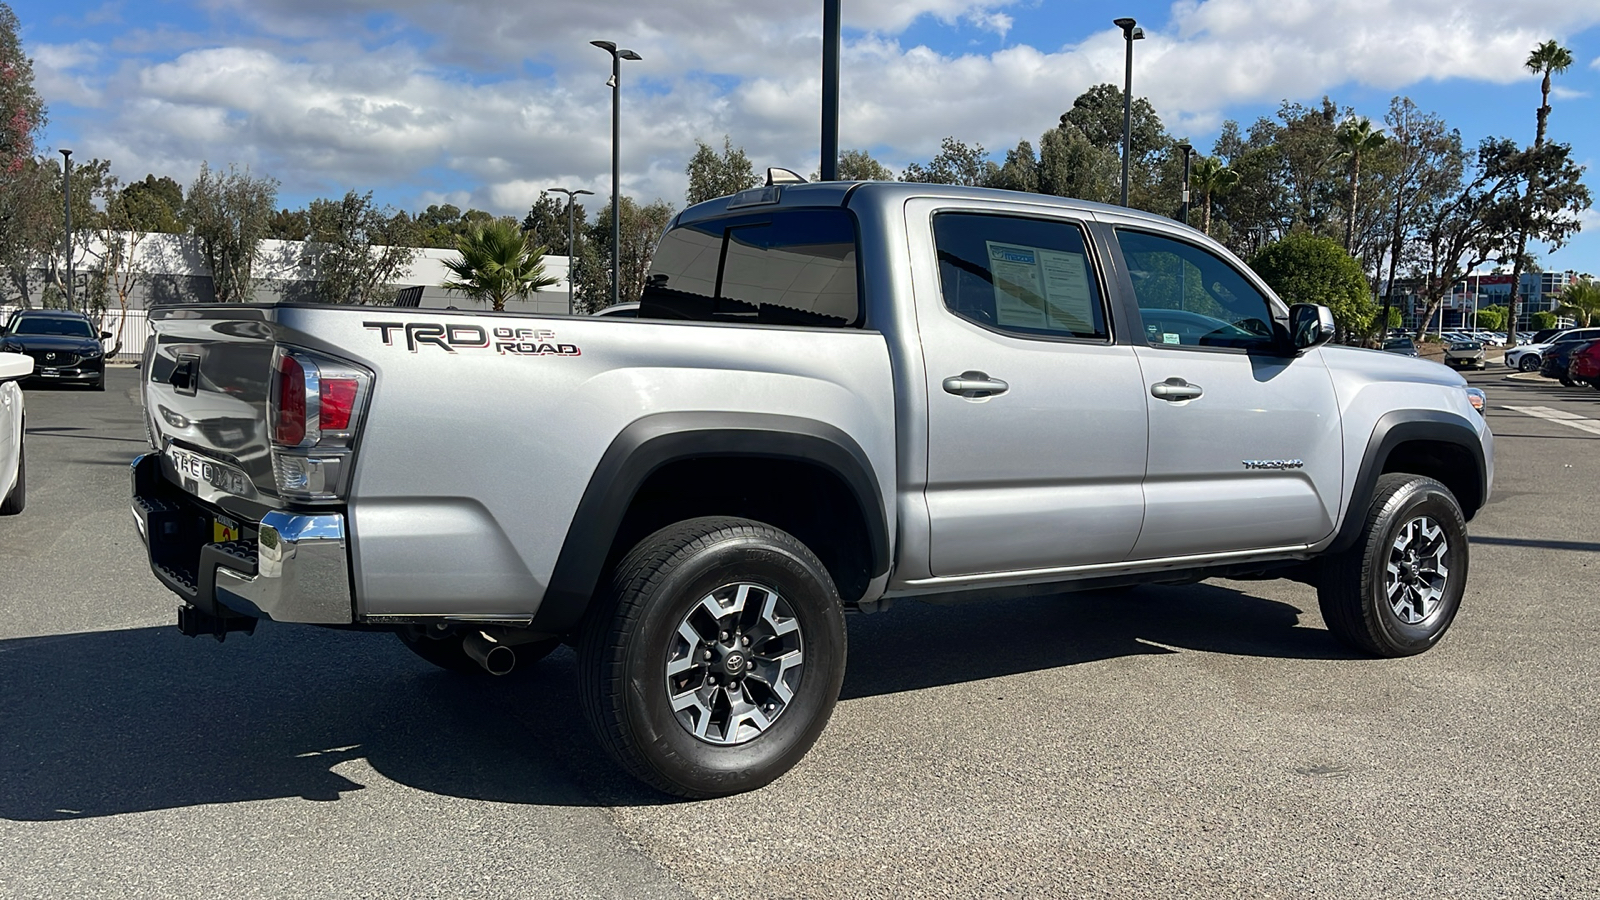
(776,175)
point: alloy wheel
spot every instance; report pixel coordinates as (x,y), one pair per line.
(735,663)
(1417,570)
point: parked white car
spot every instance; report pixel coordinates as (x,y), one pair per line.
(13,463)
(1528,357)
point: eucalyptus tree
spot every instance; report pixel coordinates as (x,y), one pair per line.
(231,213)
(712,174)
(1546,60)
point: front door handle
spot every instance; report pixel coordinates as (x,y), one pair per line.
(974,385)
(1175,389)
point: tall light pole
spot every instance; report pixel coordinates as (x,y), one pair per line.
(615,83)
(1188,152)
(830,90)
(1130,33)
(571,196)
(66,189)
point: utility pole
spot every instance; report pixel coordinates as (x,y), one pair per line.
(1188,153)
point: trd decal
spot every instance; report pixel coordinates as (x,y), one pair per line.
(452,338)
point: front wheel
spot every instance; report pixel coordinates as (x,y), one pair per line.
(714,660)
(1528,363)
(1396,591)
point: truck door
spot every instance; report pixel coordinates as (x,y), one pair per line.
(1245,442)
(1036,417)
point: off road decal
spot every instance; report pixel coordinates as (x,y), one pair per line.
(452,338)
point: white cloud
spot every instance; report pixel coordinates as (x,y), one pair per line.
(382,107)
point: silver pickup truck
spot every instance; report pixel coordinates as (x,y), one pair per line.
(832,396)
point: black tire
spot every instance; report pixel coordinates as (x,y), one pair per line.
(632,633)
(17,498)
(1528,363)
(447,651)
(1353,590)
(99,385)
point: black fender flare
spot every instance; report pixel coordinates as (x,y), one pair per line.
(1396,428)
(657,440)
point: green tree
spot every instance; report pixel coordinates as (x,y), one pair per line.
(1543,319)
(713,175)
(27,224)
(1310,268)
(358,250)
(1356,137)
(1020,172)
(858,165)
(496,264)
(1491,318)
(956,163)
(1152,172)
(1209,178)
(1425,169)
(1581,300)
(154,204)
(229,212)
(1546,60)
(1070,165)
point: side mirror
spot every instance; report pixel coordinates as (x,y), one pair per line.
(105,335)
(15,365)
(1310,326)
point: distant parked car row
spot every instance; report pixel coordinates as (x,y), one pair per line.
(1550,353)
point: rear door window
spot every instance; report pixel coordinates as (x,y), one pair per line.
(785,267)
(1025,276)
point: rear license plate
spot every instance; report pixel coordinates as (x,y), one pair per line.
(224,529)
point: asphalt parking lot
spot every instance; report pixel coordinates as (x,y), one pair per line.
(1201,741)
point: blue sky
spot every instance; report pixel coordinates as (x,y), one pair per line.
(483,102)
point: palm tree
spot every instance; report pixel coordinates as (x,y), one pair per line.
(1355,138)
(497,263)
(1581,300)
(1547,59)
(1210,177)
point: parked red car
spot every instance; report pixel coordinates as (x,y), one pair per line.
(1585,365)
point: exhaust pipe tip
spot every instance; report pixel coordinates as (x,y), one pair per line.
(495,657)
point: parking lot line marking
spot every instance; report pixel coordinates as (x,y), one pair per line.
(1558,415)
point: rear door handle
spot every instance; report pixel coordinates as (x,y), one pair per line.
(1175,389)
(974,385)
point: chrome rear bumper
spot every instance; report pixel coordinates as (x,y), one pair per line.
(289,567)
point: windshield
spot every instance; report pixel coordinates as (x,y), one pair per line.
(1398,344)
(63,327)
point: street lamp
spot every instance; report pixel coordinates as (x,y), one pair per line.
(615,83)
(1188,151)
(1130,33)
(66,188)
(571,196)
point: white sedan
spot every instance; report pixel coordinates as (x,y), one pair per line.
(13,464)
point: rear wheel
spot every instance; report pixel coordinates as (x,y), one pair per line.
(17,498)
(715,658)
(1396,591)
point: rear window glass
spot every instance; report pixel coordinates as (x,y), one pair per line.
(790,267)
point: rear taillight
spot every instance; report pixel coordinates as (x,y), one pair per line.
(288,401)
(338,397)
(315,410)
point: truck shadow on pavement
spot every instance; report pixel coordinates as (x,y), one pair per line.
(106,723)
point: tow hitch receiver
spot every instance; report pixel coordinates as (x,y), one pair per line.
(194,622)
